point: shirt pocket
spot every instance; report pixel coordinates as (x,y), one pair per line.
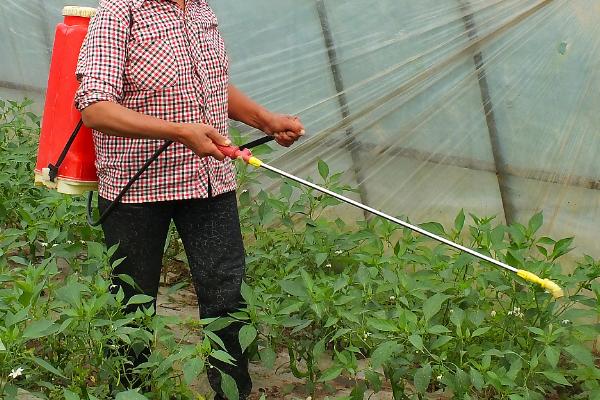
(152,65)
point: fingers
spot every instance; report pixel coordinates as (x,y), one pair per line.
(212,150)
(217,138)
(286,139)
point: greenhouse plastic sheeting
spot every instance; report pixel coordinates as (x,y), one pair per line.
(427,106)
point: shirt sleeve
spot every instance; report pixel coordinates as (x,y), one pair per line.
(102,60)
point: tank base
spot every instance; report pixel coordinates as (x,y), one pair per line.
(64,185)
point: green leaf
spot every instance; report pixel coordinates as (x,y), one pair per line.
(374,380)
(383,325)
(294,288)
(229,387)
(267,357)
(581,355)
(457,316)
(459,221)
(384,353)
(422,378)
(38,329)
(48,367)
(222,356)
(416,341)
(130,395)
(480,331)
(140,299)
(247,335)
(215,338)
(433,305)
(70,395)
(438,329)
(2,347)
(331,374)
(536,222)
(192,369)
(477,379)
(553,355)
(561,248)
(435,228)
(323,169)
(320,258)
(556,377)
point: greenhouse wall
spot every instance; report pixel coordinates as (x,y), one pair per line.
(428,107)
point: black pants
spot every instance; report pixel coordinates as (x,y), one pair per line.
(210,231)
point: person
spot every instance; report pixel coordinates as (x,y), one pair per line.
(156,70)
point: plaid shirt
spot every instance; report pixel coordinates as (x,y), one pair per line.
(152,57)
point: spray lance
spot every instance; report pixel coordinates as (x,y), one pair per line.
(245,154)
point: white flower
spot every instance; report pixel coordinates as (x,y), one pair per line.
(451,311)
(565,322)
(82,241)
(439,377)
(44,244)
(516,312)
(69,242)
(15,373)
(392,298)
(55,244)
(328,266)
(493,313)
(339,252)
(245,191)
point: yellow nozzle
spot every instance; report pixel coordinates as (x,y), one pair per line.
(255,162)
(547,284)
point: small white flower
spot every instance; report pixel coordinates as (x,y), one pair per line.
(55,244)
(339,252)
(392,298)
(112,287)
(82,241)
(44,244)
(510,313)
(15,373)
(493,313)
(439,377)
(328,266)
(245,191)
(565,322)
(69,242)
(451,311)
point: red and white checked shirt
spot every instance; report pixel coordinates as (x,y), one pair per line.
(152,57)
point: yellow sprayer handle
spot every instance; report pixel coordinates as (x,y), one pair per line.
(547,284)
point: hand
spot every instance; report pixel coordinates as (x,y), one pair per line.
(202,139)
(285,128)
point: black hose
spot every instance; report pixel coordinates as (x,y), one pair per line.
(115,202)
(125,189)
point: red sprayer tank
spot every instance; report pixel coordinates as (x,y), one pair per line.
(77,173)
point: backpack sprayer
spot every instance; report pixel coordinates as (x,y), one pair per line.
(69,168)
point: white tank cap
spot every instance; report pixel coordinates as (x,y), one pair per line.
(75,11)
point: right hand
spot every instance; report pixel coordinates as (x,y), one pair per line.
(202,139)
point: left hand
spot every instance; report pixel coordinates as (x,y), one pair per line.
(285,128)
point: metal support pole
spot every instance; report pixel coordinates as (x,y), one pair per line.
(488,109)
(342,99)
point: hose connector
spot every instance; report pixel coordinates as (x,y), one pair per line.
(547,284)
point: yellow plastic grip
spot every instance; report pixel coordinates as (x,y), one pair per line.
(255,162)
(547,284)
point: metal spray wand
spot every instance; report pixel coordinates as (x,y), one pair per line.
(245,154)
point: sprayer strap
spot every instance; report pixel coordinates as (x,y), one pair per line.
(54,167)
